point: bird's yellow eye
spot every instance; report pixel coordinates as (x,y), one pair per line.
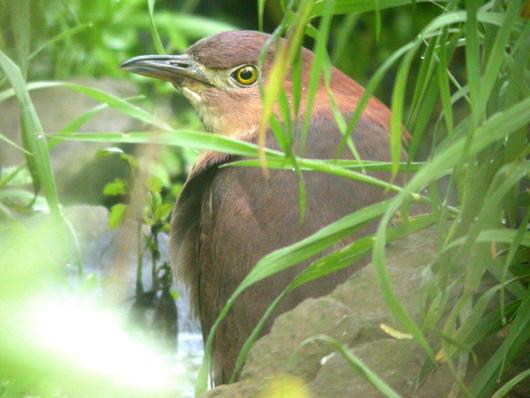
(246,75)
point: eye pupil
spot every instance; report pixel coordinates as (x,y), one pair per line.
(246,74)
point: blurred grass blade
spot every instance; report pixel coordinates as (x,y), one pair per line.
(191,25)
(518,336)
(497,54)
(63,35)
(514,246)
(214,142)
(182,137)
(472,62)
(154,31)
(261,10)
(317,64)
(348,164)
(284,58)
(20,23)
(13,144)
(496,128)
(35,139)
(77,123)
(119,104)
(506,388)
(360,6)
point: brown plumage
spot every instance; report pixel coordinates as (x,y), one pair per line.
(226,219)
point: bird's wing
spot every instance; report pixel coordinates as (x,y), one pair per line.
(185,222)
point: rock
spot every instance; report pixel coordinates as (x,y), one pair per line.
(396,362)
(318,316)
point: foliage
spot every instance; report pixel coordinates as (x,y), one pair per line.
(457,77)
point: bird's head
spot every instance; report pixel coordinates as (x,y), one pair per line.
(220,76)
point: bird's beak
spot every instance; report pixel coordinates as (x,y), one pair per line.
(173,68)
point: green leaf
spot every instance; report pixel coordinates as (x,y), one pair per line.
(116,187)
(155,184)
(117,215)
(163,211)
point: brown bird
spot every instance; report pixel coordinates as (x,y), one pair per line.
(226,219)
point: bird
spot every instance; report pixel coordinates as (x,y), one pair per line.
(227,218)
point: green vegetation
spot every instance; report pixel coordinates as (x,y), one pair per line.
(455,73)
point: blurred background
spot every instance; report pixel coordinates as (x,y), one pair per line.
(60,329)
(83,43)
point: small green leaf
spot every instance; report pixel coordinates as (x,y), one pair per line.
(163,211)
(117,214)
(175,294)
(116,187)
(155,184)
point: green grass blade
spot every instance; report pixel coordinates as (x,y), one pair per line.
(396,125)
(261,11)
(472,60)
(509,258)
(101,96)
(61,36)
(312,245)
(214,142)
(154,31)
(497,53)
(36,142)
(517,337)
(506,388)
(444,88)
(13,144)
(20,23)
(496,128)
(361,6)
(317,64)
(368,165)
(186,138)
(357,365)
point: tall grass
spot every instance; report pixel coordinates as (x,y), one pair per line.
(475,122)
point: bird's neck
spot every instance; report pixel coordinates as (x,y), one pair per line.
(239,114)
